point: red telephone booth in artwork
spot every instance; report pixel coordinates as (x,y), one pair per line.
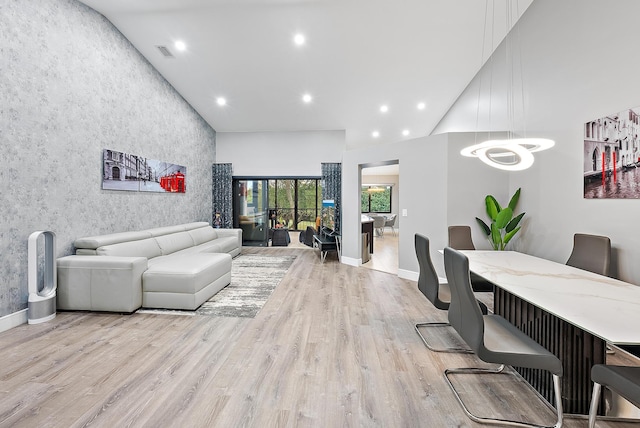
(177,182)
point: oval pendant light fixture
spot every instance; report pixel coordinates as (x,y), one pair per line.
(513,153)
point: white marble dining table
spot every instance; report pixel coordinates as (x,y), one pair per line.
(603,306)
(571,312)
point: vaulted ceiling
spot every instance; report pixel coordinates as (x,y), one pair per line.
(358,56)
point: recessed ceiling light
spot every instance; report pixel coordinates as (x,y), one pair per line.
(375,134)
(299,39)
(405,132)
(307,98)
(180,45)
(222,101)
(421,106)
(384,108)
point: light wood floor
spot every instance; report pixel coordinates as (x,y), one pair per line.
(385,253)
(333,347)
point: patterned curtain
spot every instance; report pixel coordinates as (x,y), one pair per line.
(222,196)
(332,187)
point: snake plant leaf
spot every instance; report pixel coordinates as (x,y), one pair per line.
(510,235)
(514,200)
(513,223)
(496,237)
(485,228)
(493,207)
(503,218)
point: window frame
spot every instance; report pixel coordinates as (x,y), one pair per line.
(368,187)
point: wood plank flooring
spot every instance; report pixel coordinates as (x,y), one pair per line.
(385,253)
(333,347)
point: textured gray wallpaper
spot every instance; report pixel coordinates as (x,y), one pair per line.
(70,86)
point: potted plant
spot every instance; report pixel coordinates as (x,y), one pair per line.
(504,225)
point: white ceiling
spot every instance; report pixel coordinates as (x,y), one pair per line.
(359,55)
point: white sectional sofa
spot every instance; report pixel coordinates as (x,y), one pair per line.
(174,267)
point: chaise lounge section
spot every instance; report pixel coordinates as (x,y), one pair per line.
(175,267)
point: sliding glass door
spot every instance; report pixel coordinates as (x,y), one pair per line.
(250,211)
(262,203)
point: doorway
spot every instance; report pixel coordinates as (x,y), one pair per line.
(379,197)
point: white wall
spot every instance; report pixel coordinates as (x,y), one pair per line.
(412,157)
(436,188)
(580,63)
(278,154)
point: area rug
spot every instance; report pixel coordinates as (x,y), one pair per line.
(253,279)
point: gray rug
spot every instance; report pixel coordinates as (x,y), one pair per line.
(253,279)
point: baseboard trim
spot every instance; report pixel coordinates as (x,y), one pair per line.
(10,321)
(408,274)
(351,261)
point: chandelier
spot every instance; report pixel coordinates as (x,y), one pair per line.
(513,153)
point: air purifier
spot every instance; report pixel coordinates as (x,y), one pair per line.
(42,277)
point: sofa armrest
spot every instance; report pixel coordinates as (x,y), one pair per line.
(222,233)
(100,283)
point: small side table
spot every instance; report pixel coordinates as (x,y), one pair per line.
(325,245)
(280,237)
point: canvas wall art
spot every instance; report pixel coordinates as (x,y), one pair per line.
(612,156)
(124,171)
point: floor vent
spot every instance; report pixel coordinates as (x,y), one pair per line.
(165,52)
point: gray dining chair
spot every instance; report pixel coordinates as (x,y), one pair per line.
(493,339)
(624,380)
(378,224)
(460,239)
(390,221)
(592,253)
(435,289)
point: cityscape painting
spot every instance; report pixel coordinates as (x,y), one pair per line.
(124,171)
(612,156)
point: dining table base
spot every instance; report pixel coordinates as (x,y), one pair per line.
(577,349)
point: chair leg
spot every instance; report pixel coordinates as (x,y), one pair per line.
(500,370)
(439,324)
(593,408)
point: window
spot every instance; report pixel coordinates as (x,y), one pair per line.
(376,199)
(297,201)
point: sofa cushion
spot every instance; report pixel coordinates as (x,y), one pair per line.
(93,242)
(159,231)
(144,248)
(185,274)
(174,242)
(220,245)
(209,247)
(160,259)
(203,234)
(195,225)
(100,283)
